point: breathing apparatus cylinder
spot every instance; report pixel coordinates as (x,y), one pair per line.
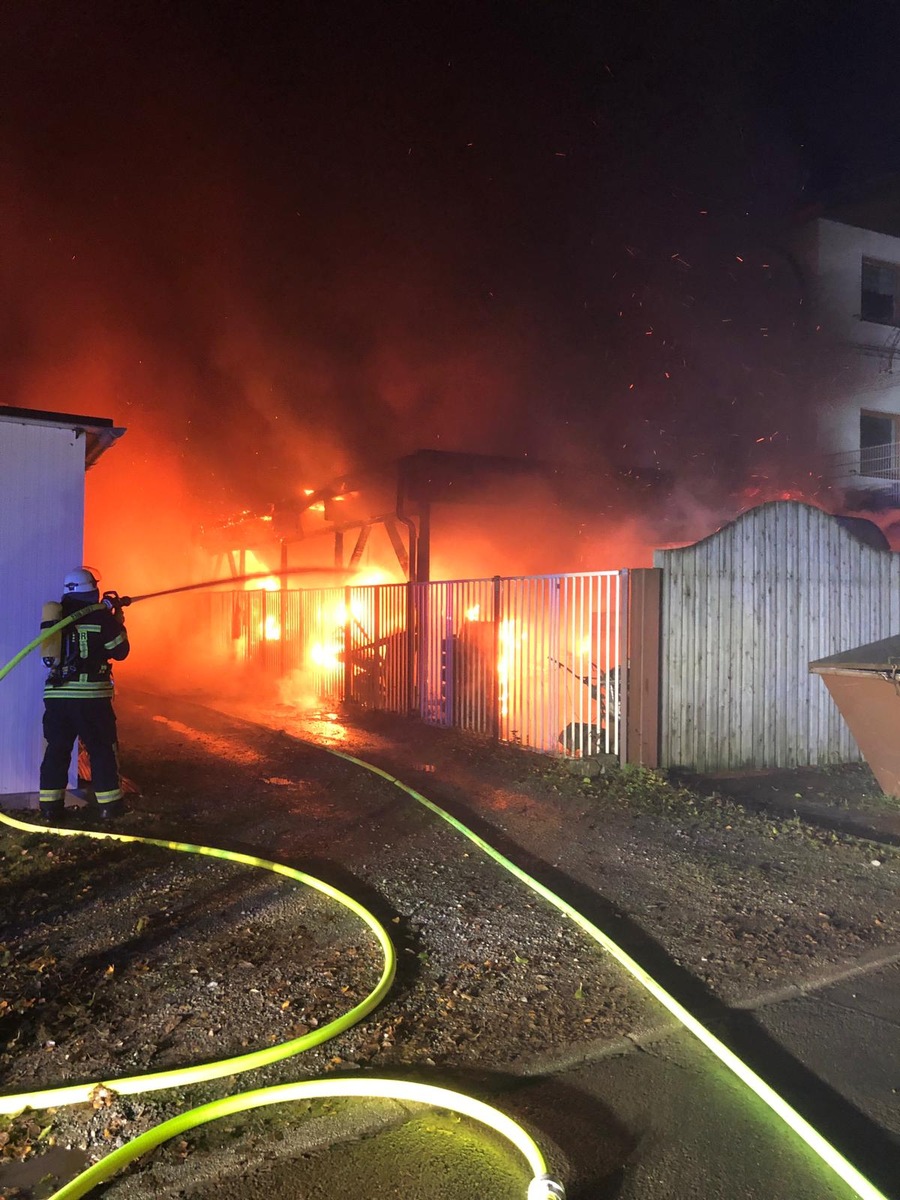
(51,647)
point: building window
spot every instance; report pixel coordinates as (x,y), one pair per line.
(878,445)
(880,300)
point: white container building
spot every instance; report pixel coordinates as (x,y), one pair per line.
(43,460)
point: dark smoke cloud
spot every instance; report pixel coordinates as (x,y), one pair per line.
(284,243)
(275,311)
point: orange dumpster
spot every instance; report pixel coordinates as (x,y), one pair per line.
(865,685)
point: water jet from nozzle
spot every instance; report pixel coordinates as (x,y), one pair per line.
(230,582)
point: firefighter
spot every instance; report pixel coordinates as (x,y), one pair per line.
(78,694)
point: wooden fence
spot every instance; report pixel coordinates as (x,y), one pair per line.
(743,613)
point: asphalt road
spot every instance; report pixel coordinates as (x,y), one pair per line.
(699,1132)
(650,1122)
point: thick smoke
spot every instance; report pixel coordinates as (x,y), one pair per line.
(278,251)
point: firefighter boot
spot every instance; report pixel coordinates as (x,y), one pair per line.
(53,811)
(108,810)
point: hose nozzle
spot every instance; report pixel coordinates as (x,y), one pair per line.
(114,602)
(545,1187)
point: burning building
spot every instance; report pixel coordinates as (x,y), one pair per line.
(527,658)
(394,515)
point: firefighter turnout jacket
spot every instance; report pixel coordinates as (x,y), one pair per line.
(83,670)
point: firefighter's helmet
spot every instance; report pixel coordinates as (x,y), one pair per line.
(79,582)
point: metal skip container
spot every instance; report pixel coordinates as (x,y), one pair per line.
(865,685)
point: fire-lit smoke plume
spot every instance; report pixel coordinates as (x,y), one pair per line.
(275,257)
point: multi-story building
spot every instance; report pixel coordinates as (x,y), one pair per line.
(851,258)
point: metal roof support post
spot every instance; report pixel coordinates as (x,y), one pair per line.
(411,647)
(282,606)
(348,647)
(495,677)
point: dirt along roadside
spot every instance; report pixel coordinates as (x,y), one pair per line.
(120,960)
(747,896)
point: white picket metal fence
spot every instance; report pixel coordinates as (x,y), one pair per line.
(534,660)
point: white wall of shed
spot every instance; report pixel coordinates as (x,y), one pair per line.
(744,612)
(41,538)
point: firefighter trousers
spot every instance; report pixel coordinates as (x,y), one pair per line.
(94,721)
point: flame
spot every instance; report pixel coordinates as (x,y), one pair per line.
(342,615)
(506,635)
(270,626)
(327,657)
(254,565)
(371,576)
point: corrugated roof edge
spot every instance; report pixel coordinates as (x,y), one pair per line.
(99,432)
(7,412)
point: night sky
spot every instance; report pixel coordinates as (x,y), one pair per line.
(280,241)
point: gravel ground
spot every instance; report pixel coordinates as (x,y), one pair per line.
(119,960)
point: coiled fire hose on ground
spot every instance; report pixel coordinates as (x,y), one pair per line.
(542,1186)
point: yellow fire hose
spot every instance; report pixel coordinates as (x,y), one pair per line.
(78,1093)
(44,635)
(542,1186)
(816,1142)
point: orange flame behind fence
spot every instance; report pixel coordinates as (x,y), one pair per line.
(326,657)
(328,654)
(338,621)
(507,636)
(270,627)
